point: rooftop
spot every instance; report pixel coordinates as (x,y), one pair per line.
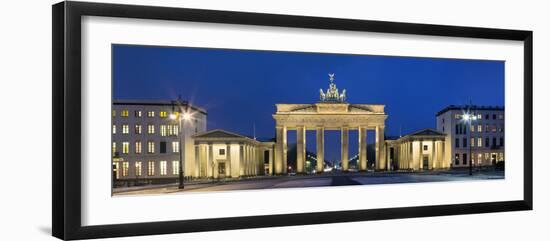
(158,102)
(471,107)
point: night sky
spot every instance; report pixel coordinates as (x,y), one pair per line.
(239,88)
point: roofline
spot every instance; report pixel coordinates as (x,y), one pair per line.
(158,102)
(463,107)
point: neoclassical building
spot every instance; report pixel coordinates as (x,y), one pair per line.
(332,112)
(223,154)
(420,150)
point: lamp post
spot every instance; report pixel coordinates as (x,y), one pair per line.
(469,118)
(181,117)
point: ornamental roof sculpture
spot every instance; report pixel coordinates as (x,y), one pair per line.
(332,94)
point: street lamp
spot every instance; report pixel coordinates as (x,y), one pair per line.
(181,118)
(469,118)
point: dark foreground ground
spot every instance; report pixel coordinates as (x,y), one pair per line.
(319,180)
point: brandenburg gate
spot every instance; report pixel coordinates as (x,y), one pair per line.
(332,112)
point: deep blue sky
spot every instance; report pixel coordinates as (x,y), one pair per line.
(239,88)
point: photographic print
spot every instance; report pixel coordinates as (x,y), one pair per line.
(188,120)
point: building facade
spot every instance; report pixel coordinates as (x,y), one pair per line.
(475,129)
(421,150)
(146,140)
(223,154)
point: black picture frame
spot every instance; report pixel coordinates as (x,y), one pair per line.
(66,127)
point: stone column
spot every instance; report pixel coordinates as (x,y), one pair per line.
(241,159)
(271,164)
(345,148)
(380,157)
(362,148)
(320,149)
(228,160)
(432,158)
(420,155)
(210,163)
(301,149)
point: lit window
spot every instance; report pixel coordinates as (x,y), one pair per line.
(124,113)
(163,114)
(150,168)
(479,128)
(114,129)
(114,148)
(472,128)
(175,146)
(150,114)
(162,130)
(138,168)
(175,167)
(151,129)
(486,156)
(500,156)
(479,116)
(472,142)
(137,113)
(114,113)
(125,129)
(138,147)
(125,166)
(163,168)
(493,128)
(457,116)
(125,147)
(501,117)
(150,147)
(138,129)
(479,142)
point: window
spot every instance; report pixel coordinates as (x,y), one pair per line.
(151,129)
(124,113)
(162,130)
(457,129)
(487,142)
(494,141)
(494,116)
(162,147)
(175,146)
(493,128)
(487,116)
(472,128)
(114,148)
(138,168)
(457,142)
(221,152)
(486,128)
(472,142)
(486,156)
(137,113)
(457,116)
(150,168)
(501,128)
(163,114)
(125,147)
(138,147)
(443,120)
(425,147)
(464,158)
(163,168)
(114,113)
(479,116)
(150,114)
(138,129)
(501,117)
(125,166)
(125,129)
(114,129)
(479,142)
(150,147)
(175,167)
(479,128)
(502,141)
(464,142)
(457,159)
